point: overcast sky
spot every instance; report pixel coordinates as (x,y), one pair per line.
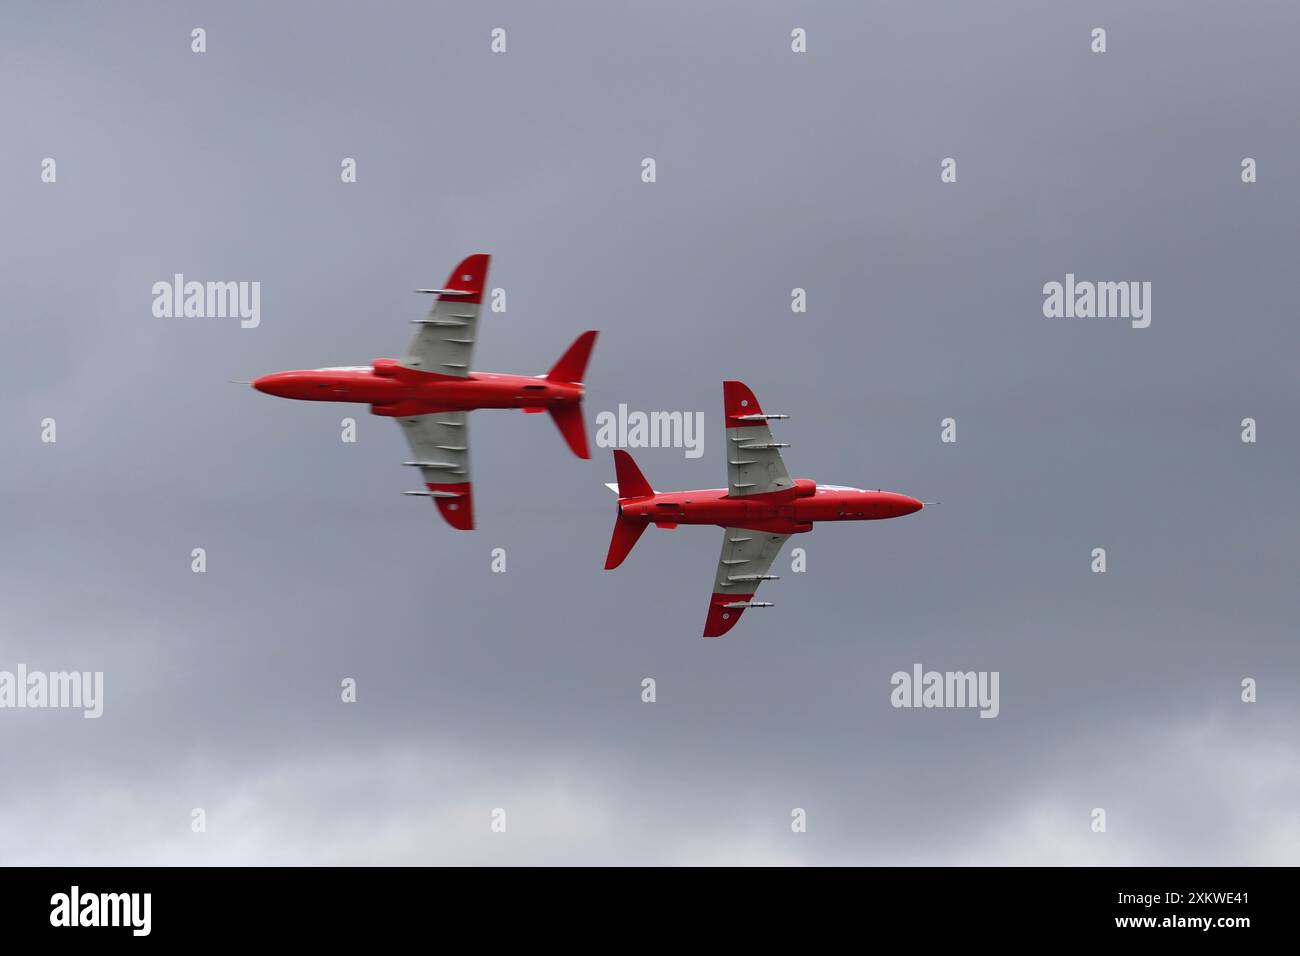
(775,170)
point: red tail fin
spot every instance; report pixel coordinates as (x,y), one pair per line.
(631,483)
(573,363)
(568,419)
(626,535)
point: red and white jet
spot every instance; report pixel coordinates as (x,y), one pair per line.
(430,391)
(760,507)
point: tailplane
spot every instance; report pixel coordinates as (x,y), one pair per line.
(573,363)
(568,419)
(570,369)
(631,484)
(626,534)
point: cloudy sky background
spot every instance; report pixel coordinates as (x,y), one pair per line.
(522,690)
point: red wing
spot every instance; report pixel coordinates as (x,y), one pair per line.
(440,450)
(746,558)
(444,343)
(754,463)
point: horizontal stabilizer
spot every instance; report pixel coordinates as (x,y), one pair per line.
(573,363)
(631,483)
(568,419)
(626,535)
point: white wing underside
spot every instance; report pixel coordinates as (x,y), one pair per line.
(754,463)
(747,556)
(439,446)
(445,341)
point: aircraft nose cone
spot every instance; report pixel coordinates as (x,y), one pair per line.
(273,384)
(906,504)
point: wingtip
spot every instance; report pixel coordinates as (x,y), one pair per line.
(456,509)
(722,619)
(740,405)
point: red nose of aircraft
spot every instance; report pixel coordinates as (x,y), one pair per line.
(280,384)
(904,504)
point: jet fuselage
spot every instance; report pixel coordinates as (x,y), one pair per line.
(391,389)
(781,512)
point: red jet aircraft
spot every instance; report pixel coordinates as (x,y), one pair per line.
(758,510)
(430,391)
